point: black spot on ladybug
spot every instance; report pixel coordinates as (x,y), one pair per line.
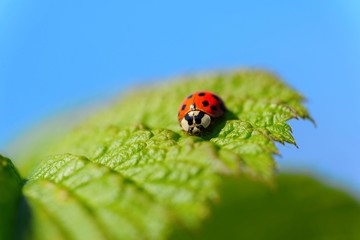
(216,97)
(199,117)
(222,106)
(205,103)
(190,96)
(201,94)
(214,108)
(189,119)
(183,107)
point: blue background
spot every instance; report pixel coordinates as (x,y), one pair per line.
(57,54)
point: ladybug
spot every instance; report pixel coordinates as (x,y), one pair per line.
(198,110)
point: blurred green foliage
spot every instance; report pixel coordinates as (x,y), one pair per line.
(298,207)
(10,192)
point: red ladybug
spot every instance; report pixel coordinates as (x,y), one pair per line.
(198,109)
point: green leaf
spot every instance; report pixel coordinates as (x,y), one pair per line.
(140,193)
(130,172)
(10,193)
(300,207)
(259,105)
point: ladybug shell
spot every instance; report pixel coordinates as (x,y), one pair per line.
(205,101)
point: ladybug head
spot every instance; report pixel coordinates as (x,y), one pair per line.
(195,121)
